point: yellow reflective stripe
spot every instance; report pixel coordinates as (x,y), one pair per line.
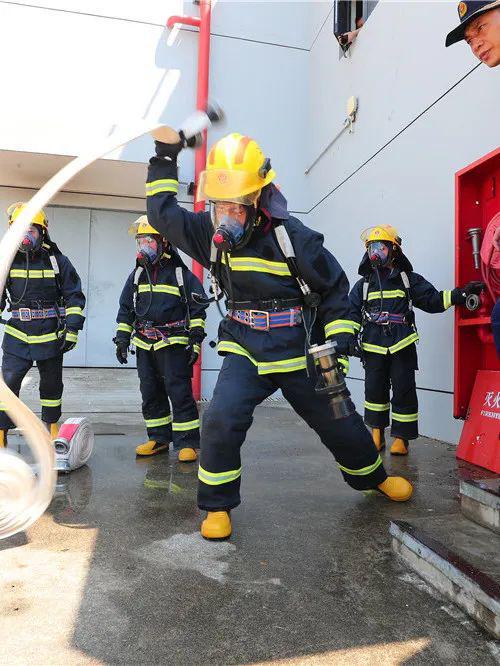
(197,348)
(257,265)
(394,293)
(376,349)
(139,343)
(185,425)
(162,185)
(356,326)
(160,289)
(30,339)
(153,423)
(340,326)
(197,323)
(126,328)
(364,471)
(403,343)
(71,336)
(50,403)
(377,406)
(74,311)
(264,367)
(218,478)
(33,273)
(174,340)
(446,298)
(345,362)
(404,418)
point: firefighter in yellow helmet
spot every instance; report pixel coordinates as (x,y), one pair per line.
(283,289)
(382,307)
(44,298)
(160,317)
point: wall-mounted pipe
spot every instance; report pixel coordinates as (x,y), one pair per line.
(203,25)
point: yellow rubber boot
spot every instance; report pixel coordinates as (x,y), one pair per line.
(399,447)
(378,435)
(187,455)
(217,525)
(151,448)
(54,430)
(396,488)
(3,439)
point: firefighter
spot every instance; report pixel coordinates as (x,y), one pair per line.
(275,307)
(158,311)
(382,303)
(45,301)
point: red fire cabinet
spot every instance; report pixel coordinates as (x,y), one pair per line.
(477,201)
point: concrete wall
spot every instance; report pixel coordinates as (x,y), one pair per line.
(398,68)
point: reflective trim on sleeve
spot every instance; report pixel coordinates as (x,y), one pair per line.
(160,289)
(185,425)
(258,265)
(156,423)
(364,471)
(446,298)
(74,311)
(162,185)
(218,478)
(29,339)
(344,361)
(340,326)
(197,323)
(404,418)
(377,407)
(125,328)
(50,403)
(71,336)
(197,348)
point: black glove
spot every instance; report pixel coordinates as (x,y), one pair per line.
(65,344)
(121,350)
(171,150)
(192,352)
(459,294)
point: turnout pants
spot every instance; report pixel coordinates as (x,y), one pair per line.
(165,374)
(14,370)
(397,370)
(238,391)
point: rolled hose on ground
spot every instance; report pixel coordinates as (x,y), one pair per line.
(73,445)
(24,496)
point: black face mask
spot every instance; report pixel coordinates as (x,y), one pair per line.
(379,253)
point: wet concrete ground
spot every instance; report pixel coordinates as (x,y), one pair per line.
(116,572)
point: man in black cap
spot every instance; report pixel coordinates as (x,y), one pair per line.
(480,27)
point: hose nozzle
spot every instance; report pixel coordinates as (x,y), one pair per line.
(475,235)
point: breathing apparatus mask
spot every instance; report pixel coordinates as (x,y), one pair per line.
(32,241)
(330,380)
(149,249)
(380,253)
(233,222)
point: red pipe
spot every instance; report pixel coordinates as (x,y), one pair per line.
(203,23)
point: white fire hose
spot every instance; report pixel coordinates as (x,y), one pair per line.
(24,496)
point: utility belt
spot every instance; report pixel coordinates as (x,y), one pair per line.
(267,304)
(29,314)
(160,331)
(262,320)
(386,318)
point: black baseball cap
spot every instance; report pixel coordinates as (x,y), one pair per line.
(467,12)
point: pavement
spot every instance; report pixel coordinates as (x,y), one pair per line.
(116,572)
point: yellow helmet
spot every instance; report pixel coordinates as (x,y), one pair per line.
(382,232)
(142,226)
(236,170)
(15,209)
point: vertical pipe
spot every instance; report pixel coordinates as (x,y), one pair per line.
(201,153)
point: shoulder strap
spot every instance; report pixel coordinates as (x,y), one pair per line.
(57,272)
(179,274)
(406,284)
(286,246)
(137,276)
(366,287)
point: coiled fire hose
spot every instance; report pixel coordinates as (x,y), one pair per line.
(74,444)
(24,496)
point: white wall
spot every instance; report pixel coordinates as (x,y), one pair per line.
(397,68)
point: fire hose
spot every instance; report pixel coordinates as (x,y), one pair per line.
(24,495)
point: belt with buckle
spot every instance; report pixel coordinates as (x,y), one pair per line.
(161,331)
(29,314)
(386,318)
(262,320)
